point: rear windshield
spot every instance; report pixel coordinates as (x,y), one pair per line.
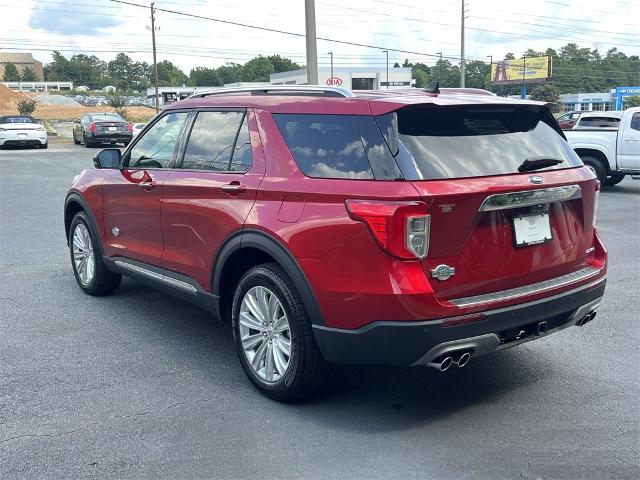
(16,120)
(107,117)
(599,122)
(425,143)
(460,142)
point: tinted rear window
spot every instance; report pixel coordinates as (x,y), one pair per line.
(16,120)
(107,117)
(459,142)
(338,146)
(599,122)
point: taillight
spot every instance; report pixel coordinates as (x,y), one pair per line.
(400,228)
(92,126)
(130,127)
(595,203)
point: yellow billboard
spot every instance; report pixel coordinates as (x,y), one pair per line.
(528,69)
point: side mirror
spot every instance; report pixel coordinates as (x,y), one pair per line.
(107,158)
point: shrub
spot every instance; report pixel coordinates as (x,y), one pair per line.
(26,106)
(118,103)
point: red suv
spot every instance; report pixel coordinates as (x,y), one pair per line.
(396,228)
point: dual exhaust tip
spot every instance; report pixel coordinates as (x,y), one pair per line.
(445,361)
(586,319)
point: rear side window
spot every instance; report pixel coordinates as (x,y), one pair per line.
(337,146)
(219,141)
(459,142)
(599,122)
(635,121)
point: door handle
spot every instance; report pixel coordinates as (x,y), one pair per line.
(234,187)
(147,185)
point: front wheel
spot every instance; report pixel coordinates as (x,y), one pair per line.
(273,335)
(88,267)
(614,179)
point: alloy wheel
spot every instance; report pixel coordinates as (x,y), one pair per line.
(83,258)
(265,333)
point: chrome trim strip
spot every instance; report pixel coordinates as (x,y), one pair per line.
(291,89)
(530,289)
(157,276)
(526,198)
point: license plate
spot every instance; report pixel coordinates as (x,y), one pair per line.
(113,129)
(532,229)
(22,135)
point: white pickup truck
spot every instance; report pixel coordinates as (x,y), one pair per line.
(611,153)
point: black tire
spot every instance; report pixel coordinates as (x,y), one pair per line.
(75,140)
(597,167)
(103,281)
(45,145)
(87,144)
(306,370)
(614,179)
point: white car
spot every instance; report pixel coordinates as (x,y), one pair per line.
(23,131)
(137,128)
(611,152)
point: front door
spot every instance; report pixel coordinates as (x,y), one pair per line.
(629,143)
(132,195)
(209,195)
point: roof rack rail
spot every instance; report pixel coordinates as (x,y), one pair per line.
(279,90)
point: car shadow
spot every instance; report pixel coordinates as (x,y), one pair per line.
(363,398)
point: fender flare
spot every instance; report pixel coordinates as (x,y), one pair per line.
(250,238)
(74,197)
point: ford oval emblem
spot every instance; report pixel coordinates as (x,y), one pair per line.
(537,179)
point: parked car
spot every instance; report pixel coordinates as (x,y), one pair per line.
(137,128)
(23,131)
(98,128)
(611,153)
(568,120)
(590,120)
(388,229)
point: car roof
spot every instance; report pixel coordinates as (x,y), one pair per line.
(599,113)
(362,103)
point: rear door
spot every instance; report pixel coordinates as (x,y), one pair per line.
(496,226)
(629,143)
(132,195)
(209,194)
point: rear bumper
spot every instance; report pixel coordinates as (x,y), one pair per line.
(110,137)
(419,343)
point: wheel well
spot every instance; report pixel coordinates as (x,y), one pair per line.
(234,268)
(70,211)
(587,152)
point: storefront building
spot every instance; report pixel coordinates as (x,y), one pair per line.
(612,100)
(352,78)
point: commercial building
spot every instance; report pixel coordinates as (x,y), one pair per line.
(352,78)
(21,61)
(38,86)
(611,100)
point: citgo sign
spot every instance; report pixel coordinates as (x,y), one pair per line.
(334,81)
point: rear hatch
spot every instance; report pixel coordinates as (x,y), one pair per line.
(510,205)
(110,125)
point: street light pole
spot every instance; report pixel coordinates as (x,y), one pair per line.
(155,63)
(523,87)
(331,53)
(462,12)
(386,52)
(312,50)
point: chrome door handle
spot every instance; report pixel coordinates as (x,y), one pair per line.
(234,188)
(147,185)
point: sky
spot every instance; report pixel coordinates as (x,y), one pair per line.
(423,27)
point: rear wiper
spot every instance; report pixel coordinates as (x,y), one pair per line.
(535,163)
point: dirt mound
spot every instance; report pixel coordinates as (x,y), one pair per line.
(8,97)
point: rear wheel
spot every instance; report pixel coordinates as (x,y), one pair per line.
(86,260)
(273,335)
(596,166)
(87,144)
(614,179)
(75,140)
(44,145)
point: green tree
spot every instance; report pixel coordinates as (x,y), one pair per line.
(282,64)
(476,73)
(170,75)
(58,69)
(28,75)
(257,69)
(26,106)
(118,102)
(229,73)
(120,71)
(421,77)
(10,73)
(547,93)
(204,77)
(633,101)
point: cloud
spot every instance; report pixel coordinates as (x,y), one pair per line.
(58,18)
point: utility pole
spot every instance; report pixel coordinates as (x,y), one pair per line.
(386,52)
(331,53)
(523,87)
(312,50)
(490,57)
(462,14)
(155,63)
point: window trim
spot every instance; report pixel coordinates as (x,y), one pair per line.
(127,151)
(187,136)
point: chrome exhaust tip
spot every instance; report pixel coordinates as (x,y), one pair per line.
(446,363)
(464,359)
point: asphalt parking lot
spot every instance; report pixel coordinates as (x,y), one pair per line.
(140,385)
